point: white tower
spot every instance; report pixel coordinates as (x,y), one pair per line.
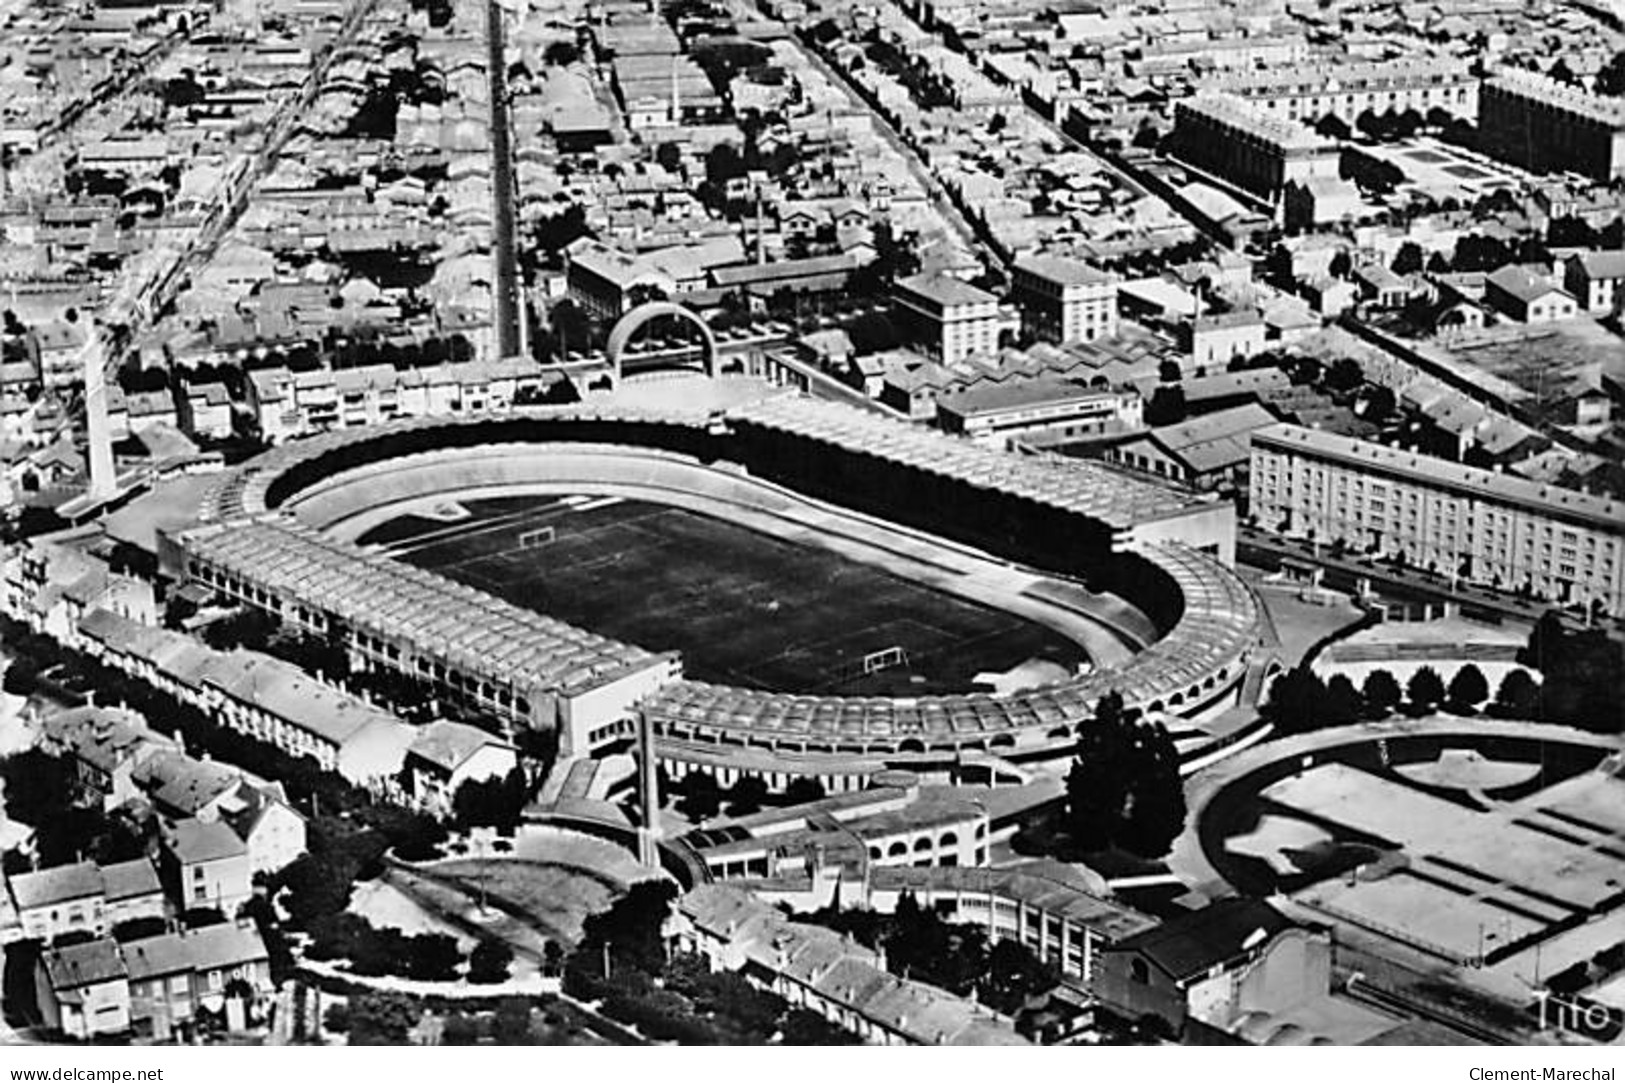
(103,480)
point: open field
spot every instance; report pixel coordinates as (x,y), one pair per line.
(744,608)
(1489,851)
(1546,361)
(552,897)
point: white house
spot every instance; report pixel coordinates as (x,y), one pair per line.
(447,754)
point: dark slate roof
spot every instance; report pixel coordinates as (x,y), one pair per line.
(1193,943)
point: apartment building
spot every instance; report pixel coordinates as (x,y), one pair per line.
(1478,525)
(1347,89)
(1064,300)
(289,405)
(1245,145)
(1048,407)
(1546,126)
(949,319)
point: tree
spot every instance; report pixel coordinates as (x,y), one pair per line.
(337,1017)
(1546,640)
(1095,782)
(1611,79)
(803,1027)
(1295,701)
(1154,813)
(1378,404)
(571,329)
(1332,126)
(1124,786)
(488,963)
(1425,689)
(139,929)
(1584,681)
(1343,704)
(1344,375)
(873,332)
(702,797)
(1468,688)
(249,628)
(1169,372)
(492,802)
(631,929)
(460,1029)
(432,957)
(803,790)
(1167,406)
(1381,692)
(555,232)
(1408,260)
(1518,695)
(552,959)
(201,917)
(380,1019)
(1341,264)
(1475,252)
(723,163)
(561,54)
(1571,231)
(1014,975)
(747,796)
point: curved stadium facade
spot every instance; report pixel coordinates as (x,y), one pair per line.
(276,533)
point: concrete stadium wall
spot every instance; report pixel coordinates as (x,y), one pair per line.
(1205,624)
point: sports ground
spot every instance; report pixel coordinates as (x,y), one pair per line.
(1494,850)
(744,608)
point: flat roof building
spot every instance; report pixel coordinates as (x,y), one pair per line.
(1475,525)
(1064,300)
(949,319)
(996,413)
(1245,145)
(1543,125)
(1346,89)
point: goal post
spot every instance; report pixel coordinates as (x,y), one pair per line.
(535,539)
(888,658)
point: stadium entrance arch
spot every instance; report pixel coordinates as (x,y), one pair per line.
(633,322)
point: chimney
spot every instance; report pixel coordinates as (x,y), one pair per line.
(761,230)
(676,95)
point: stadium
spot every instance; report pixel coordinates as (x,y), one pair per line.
(1133,576)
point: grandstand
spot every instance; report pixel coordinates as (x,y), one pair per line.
(1162,550)
(526,668)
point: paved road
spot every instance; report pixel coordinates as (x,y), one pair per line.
(1399,582)
(502,186)
(941,200)
(1107,166)
(200,249)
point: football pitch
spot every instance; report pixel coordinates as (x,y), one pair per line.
(744,608)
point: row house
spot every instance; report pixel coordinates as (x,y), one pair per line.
(101,987)
(289,405)
(82,897)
